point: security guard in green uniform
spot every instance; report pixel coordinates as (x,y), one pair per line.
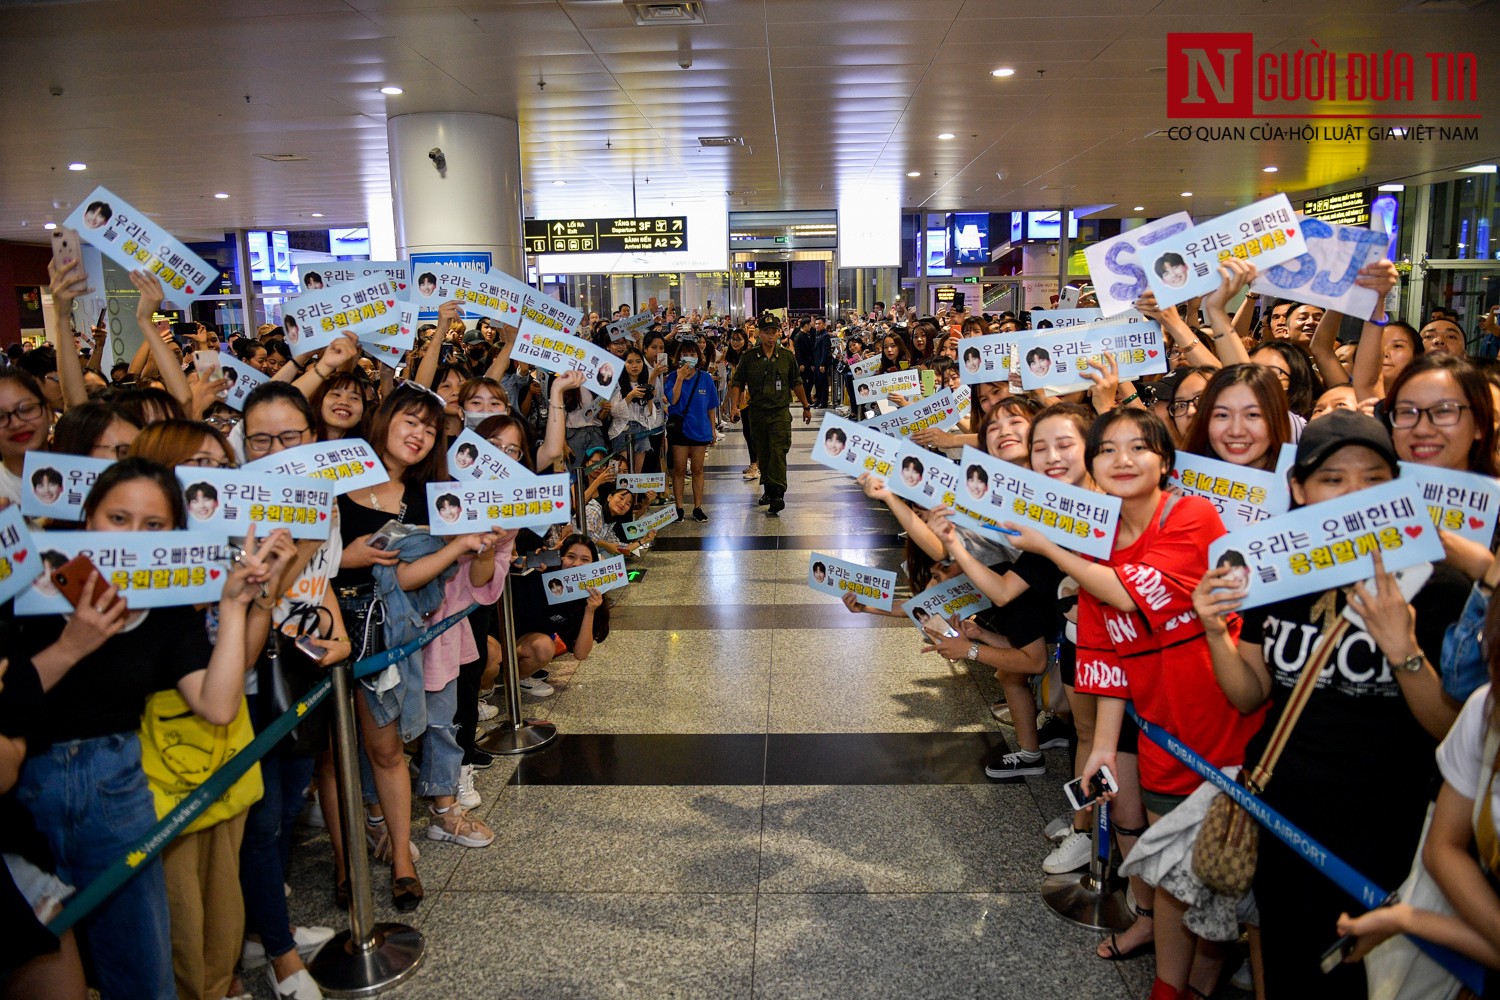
(770,376)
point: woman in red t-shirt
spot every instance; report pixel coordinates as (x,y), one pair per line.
(1139,640)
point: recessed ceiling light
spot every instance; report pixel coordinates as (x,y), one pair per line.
(78,166)
(391,91)
(49,225)
(1187,194)
(559,184)
(221,195)
(914,173)
(1268,170)
(1139,208)
(945,136)
(1003,71)
(317,215)
(1483,168)
(1391,187)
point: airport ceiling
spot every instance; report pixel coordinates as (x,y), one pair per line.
(170,102)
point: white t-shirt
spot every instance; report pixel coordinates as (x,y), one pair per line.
(1460,755)
(10,485)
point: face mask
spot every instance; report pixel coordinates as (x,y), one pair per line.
(473,420)
(690,361)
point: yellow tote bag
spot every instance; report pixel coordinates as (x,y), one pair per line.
(180,751)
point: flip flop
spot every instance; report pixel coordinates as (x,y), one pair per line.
(1116,955)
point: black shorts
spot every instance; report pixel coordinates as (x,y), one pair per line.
(677,439)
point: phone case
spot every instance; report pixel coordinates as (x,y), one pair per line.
(73,576)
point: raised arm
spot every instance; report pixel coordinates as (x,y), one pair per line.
(1176,330)
(555,441)
(68,283)
(427,369)
(166,364)
(335,356)
(1382,277)
(1241,673)
(1234,275)
(1324,340)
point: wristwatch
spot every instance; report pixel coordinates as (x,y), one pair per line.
(1411,664)
(973,653)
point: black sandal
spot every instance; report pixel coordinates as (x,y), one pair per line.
(407,893)
(1112,943)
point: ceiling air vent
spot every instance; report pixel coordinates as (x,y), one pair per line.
(688,12)
(721,140)
(281,157)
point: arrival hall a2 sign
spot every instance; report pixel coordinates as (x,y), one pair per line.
(654,234)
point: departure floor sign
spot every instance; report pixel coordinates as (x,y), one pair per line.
(654,234)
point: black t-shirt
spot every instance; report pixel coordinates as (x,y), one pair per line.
(532,613)
(1035,613)
(1356,722)
(1045,579)
(357,520)
(105,692)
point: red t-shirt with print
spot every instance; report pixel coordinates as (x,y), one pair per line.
(1157,655)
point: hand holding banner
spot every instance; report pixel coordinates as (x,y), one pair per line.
(870,586)
(464,508)
(151,569)
(958,596)
(1079,520)
(556,353)
(128,238)
(940,410)
(574,584)
(1324,275)
(1186,265)
(853,449)
(318,318)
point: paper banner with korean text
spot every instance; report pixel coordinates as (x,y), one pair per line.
(151,569)
(987,358)
(962,400)
(231,500)
(1115,264)
(939,410)
(1329,544)
(473,459)
(1079,520)
(1243,495)
(870,586)
(1061,319)
(128,238)
(316,319)
(935,605)
(574,584)
(651,522)
(389,344)
(321,274)
(1186,264)
(853,449)
(20,560)
(483,293)
(866,366)
(556,353)
(349,464)
(1461,502)
(540,312)
(464,508)
(874,387)
(242,377)
(629,327)
(55,486)
(925,478)
(1324,275)
(398,271)
(1058,358)
(642,482)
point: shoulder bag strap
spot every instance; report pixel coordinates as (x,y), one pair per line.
(1333,633)
(1166,510)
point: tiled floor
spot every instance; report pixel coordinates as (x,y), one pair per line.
(756,794)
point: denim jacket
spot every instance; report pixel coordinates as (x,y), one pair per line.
(406,613)
(1462,664)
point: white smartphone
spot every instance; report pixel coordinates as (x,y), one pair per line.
(209,366)
(1078,798)
(66,246)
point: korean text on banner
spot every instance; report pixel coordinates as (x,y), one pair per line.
(482,293)
(986,359)
(231,500)
(242,376)
(473,459)
(872,387)
(556,353)
(958,596)
(128,238)
(349,464)
(923,477)
(1329,544)
(389,344)
(151,569)
(574,584)
(464,508)
(642,482)
(1075,518)
(870,586)
(940,410)
(1243,495)
(398,271)
(1461,502)
(854,449)
(649,523)
(55,485)
(866,366)
(1324,275)
(1059,357)
(1186,265)
(318,318)
(20,560)
(1115,264)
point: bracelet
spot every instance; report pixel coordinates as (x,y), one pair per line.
(319,372)
(1129,399)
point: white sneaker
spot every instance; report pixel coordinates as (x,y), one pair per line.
(298,986)
(467,796)
(1071,855)
(535,688)
(1057,831)
(487,711)
(306,939)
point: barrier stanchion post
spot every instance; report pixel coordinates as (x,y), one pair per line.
(514,734)
(1094,898)
(580,487)
(369,957)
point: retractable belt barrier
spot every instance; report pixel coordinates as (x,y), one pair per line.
(1467,971)
(169,826)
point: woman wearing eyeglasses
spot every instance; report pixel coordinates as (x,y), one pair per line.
(24,418)
(96,429)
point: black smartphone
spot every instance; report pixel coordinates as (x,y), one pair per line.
(542,559)
(1336,953)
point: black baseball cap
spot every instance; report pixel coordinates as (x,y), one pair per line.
(769,323)
(1332,431)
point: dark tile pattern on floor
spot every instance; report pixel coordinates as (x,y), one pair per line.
(651,618)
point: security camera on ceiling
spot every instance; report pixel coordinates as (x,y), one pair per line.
(435,154)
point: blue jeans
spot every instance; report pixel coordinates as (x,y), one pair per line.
(441,754)
(90,800)
(266,850)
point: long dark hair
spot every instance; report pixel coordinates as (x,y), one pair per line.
(429,410)
(1306,384)
(491,426)
(601,616)
(127,469)
(1266,387)
(1476,389)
